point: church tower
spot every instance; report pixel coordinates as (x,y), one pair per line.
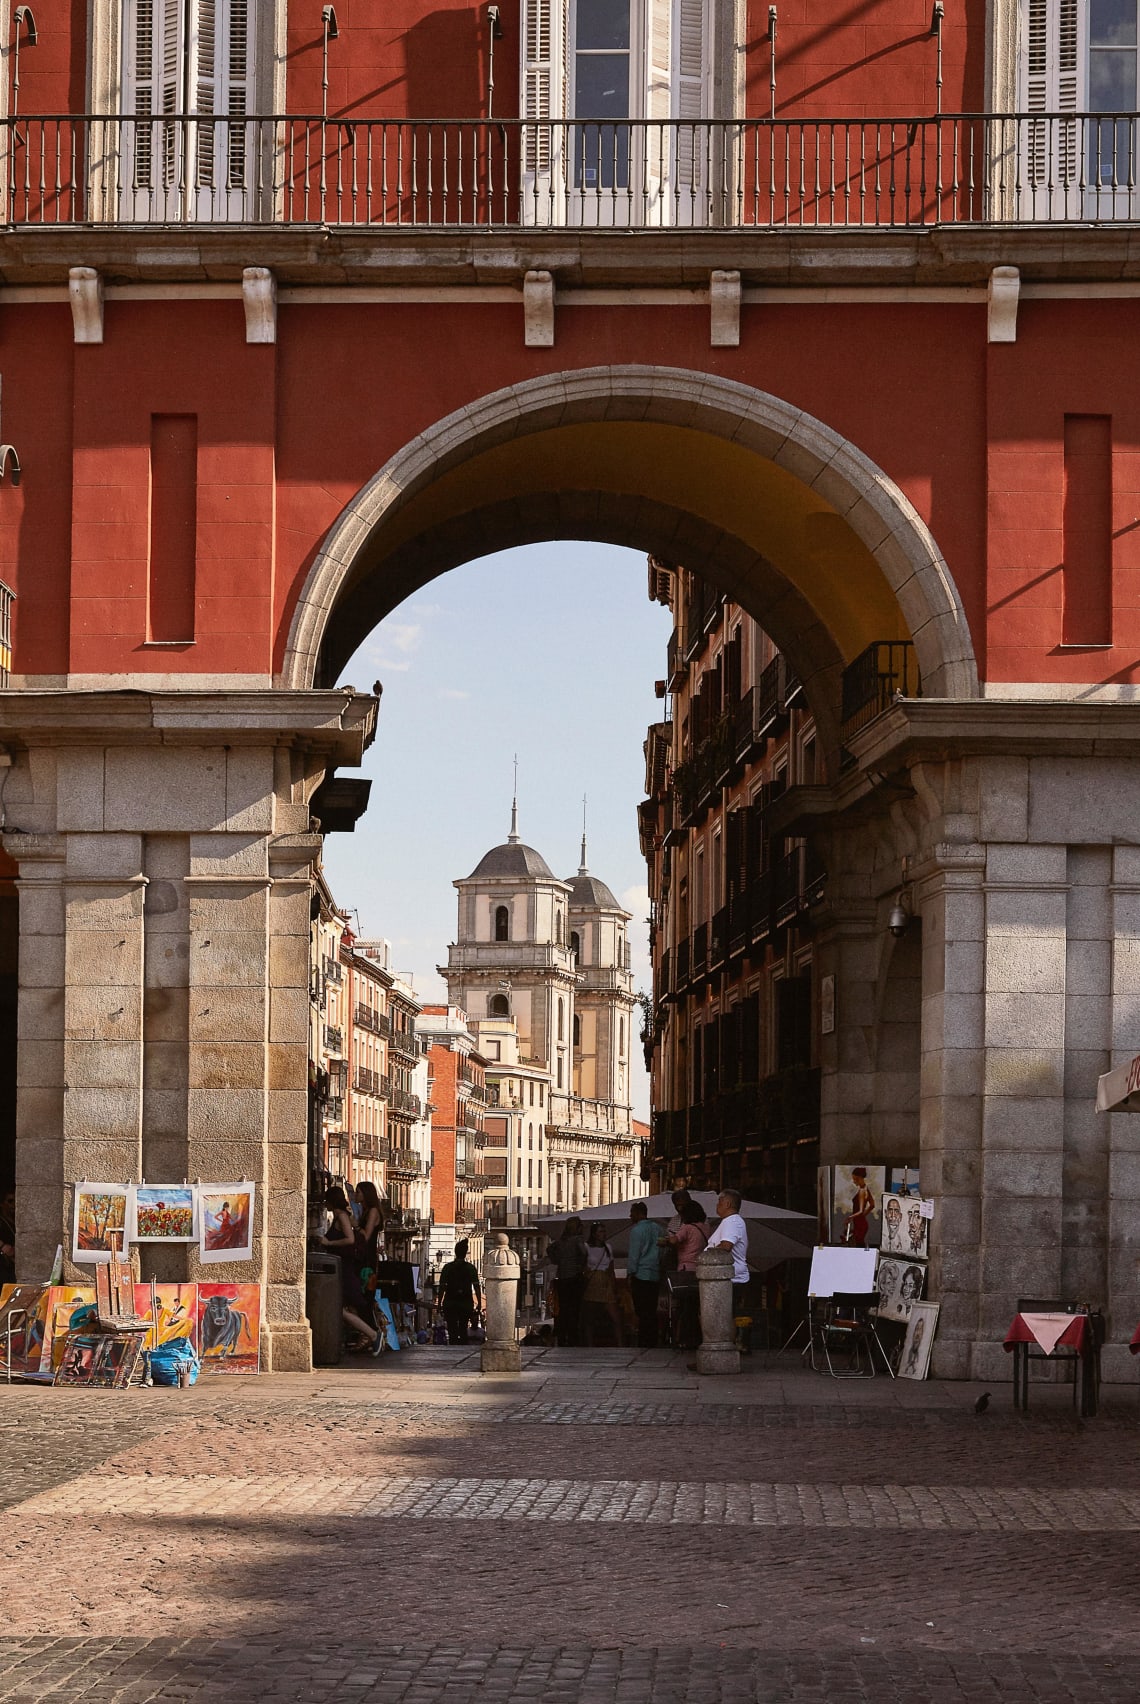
(605,1000)
(512,956)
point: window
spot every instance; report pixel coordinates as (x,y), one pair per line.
(558,927)
(530,1174)
(600,89)
(1078,56)
(502,923)
(575,943)
(621,1038)
(541,1092)
(193,58)
(577,1030)
(500,1006)
(561,1020)
(532,1094)
(540,1174)
(559,1070)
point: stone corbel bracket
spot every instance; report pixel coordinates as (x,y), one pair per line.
(259,298)
(538,310)
(85,288)
(1002,295)
(724,310)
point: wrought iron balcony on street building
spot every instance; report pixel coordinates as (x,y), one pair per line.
(752,173)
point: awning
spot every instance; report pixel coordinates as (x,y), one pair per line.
(1119,1090)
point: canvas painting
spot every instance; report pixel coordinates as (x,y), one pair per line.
(105,1362)
(177,1309)
(163,1212)
(19,1304)
(903,1180)
(228,1322)
(894,1237)
(823,1203)
(227,1221)
(917,1228)
(857,1194)
(900,1284)
(915,1360)
(63,1308)
(99,1209)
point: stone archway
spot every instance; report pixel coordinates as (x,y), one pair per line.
(532,462)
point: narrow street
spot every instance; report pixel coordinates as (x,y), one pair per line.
(605,1530)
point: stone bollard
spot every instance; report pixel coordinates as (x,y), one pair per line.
(501,1352)
(718,1352)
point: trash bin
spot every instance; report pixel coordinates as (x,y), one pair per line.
(323,1306)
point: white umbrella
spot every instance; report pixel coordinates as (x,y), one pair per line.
(774,1233)
(1119,1090)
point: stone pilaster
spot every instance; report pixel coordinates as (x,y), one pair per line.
(951,905)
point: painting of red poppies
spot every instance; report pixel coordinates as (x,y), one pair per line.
(227,1221)
(163,1212)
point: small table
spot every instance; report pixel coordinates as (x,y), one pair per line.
(1079,1334)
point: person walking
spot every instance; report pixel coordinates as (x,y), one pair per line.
(340,1239)
(459,1295)
(571,1261)
(643,1267)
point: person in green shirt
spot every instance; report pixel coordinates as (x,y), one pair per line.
(644,1271)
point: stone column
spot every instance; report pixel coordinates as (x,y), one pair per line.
(718,1352)
(500,1352)
(951,902)
(164,875)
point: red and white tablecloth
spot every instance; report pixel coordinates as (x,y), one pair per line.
(1049,1331)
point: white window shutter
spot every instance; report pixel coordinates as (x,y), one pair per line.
(1053,58)
(152,57)
(691,98)
(543,31)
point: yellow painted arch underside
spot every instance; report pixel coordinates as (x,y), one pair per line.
(731,488)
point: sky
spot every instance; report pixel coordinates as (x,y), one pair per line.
(550,652)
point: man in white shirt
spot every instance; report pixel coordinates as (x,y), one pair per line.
(733,1232)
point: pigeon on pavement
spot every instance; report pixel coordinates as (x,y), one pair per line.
(982,1403)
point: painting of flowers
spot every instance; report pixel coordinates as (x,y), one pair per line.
(163,1212)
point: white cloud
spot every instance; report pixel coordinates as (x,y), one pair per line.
(453,692)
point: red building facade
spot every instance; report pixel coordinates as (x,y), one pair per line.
(804,305)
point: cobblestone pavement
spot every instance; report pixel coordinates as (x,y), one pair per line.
(602,1531)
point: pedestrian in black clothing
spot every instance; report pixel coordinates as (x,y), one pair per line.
(571,1260)
(459,1294)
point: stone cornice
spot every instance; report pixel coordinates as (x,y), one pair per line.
(936,728)
(945,255)
(337,724)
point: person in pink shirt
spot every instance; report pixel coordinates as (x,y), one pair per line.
(690,1237)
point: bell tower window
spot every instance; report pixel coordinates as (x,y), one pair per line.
(502,923)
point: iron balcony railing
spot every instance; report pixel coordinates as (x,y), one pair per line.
(878,675)
(758,173)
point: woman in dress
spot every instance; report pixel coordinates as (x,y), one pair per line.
(862,1206)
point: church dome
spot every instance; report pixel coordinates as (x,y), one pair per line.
(587,893)
(512,862)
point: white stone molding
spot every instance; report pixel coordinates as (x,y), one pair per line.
(538,310)
(1002,298)
(259,296)
(724,310)
(874,506)
(1001,55)
(85,288)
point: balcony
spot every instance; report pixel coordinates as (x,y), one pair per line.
(368,1018)
(700,951)
(870,684)
(366,1082)
(334,1038)
(405,1044)
(798,882)
(404,1104)
(888,173)
(404,1162)
(718,938)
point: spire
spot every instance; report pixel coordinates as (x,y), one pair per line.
(513,836)
(582,868)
